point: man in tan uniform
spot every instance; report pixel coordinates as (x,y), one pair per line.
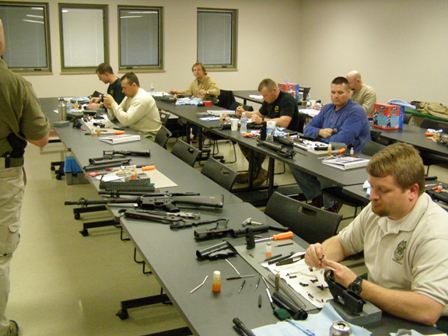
(203,86)
(21,120)
(403,234)
(363,94)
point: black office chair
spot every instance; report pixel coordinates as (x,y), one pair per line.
(164,116)
(186,152)
(308,222)
(341,195)
(226,100)
(219,173)
(430,158)
(162,136)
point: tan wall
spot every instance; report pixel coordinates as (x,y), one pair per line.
(400,46)
(267,46)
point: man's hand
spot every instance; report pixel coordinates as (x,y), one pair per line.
(325,132)
(314,255)
(342,274)
(202,93)
(108,101)
(93,106)
(239,111)
(95,99)
(256,118)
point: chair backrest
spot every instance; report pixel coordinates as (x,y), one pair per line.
(371,148)
(162,136)
(308,222)
(219,173)
(227,100)
(164,116)
(186,152)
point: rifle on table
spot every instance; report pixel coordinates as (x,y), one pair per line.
(113,158)
(177,220)
(160,201)
(110,154)
(223,231)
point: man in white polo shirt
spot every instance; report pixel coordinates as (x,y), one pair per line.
(404,236)
(138,110)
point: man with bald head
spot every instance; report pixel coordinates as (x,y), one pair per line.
(363,94)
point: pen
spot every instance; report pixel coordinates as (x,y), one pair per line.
(242,285)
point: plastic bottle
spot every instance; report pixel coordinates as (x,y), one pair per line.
(62,109)
(216,284)
(352,151)
(330,150)
(243,123)
(268,251)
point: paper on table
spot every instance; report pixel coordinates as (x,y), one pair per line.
(311,112)
(260,97)
(319,324)
(304,282)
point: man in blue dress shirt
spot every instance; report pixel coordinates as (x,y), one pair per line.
(341,121)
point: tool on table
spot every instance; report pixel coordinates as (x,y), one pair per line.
(249,221)
(240,328)
(279,236)
(294,258)
(200,285)
(221,250)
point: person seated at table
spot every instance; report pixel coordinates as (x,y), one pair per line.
(363,94)
(203,86)
(403,235)
(138,110)
(341,121)
(278,106)
(106,74)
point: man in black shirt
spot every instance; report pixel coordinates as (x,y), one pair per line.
(278,106)
(106,74)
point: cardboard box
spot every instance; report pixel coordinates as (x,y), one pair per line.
(291,88)
(387,117)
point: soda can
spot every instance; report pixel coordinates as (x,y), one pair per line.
(340,328)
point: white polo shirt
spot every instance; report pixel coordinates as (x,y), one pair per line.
(408,254)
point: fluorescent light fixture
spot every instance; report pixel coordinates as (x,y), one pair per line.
(65,11)
(37,8)
(35,16)
(130,16)
(33,21)
(142,12)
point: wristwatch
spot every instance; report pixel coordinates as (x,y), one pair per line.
(356,286)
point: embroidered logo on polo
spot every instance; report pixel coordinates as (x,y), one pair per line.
(399,251)
(276,108)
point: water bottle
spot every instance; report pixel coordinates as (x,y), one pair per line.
(62,109)
(243,123)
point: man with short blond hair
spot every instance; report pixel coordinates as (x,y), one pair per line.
(403,235)
(363,94)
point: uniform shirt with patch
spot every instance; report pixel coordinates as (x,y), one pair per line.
(284,105)
(408,254)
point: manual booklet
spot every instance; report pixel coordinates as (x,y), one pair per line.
(346,162)
(118,139)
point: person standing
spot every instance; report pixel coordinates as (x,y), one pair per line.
(21,121)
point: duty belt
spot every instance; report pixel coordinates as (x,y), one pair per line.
(9,162)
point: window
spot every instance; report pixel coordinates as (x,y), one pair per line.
(83,31)
(140,40)
(26,34)
(217,37)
